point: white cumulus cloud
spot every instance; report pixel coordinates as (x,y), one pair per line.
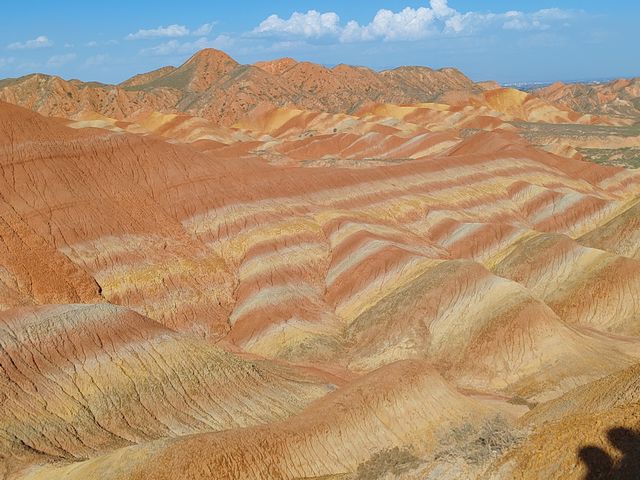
(438,18)
(312,24)
(407,24)
(38,42)
(441,8)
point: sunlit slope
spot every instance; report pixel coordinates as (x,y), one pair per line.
(181,291)
(80,380)
(332,437)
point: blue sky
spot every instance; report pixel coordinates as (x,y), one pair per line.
(508,41)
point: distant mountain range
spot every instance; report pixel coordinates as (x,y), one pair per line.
(528,86)
(213,85)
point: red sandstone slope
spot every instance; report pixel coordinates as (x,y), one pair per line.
(78,380)
(213,226)
(433,265)
(331,437)
(212,85)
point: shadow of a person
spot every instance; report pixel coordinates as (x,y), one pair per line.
(628,443)
(600,464)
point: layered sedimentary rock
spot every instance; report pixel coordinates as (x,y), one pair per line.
(562,272)
(617,98)
(591,432)
(182,290)
(331,437)
(78,380)
(213,85)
